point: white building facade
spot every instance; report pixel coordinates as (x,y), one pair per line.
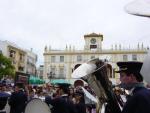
(60,63)
(31,62)
(40,70)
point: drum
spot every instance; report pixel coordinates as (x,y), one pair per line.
(37,106)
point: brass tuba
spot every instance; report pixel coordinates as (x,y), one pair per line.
(96,73)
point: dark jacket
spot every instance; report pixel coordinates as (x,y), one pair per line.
(139,102)
(61,105)
(80,107)
(3,100)
(17,102)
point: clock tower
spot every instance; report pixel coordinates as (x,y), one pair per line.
(93,41)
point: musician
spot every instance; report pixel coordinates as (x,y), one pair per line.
(18,99)
(132,80)
(61,103)
(3,98)
(80,102)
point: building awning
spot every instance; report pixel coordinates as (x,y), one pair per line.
(69,81)
(56,81)
(35,80)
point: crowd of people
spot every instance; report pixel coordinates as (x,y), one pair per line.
(66,98)
(65,94)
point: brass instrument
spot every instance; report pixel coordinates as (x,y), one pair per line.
(96,73)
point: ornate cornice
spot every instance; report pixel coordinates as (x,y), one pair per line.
(97,52)
(93,35)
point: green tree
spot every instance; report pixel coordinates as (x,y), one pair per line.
(6,67)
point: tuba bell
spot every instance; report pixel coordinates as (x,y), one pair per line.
(96,73)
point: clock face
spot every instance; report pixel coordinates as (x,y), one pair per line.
(93,40)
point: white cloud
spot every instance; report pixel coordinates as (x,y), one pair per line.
(36,23)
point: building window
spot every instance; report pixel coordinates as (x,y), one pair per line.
(134,57)
(61,58)
(93,46)
(12,53)
(21,57)
(92,57)
(20,68)
(125,58)
(53,69)
(79,58)
(53,72)
(53,58)
(61,73)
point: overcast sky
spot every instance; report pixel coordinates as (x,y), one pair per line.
(36,23)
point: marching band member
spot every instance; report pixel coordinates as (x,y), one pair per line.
(80,102)
(132,80)
(3,98)
(61,103)
(18,99)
